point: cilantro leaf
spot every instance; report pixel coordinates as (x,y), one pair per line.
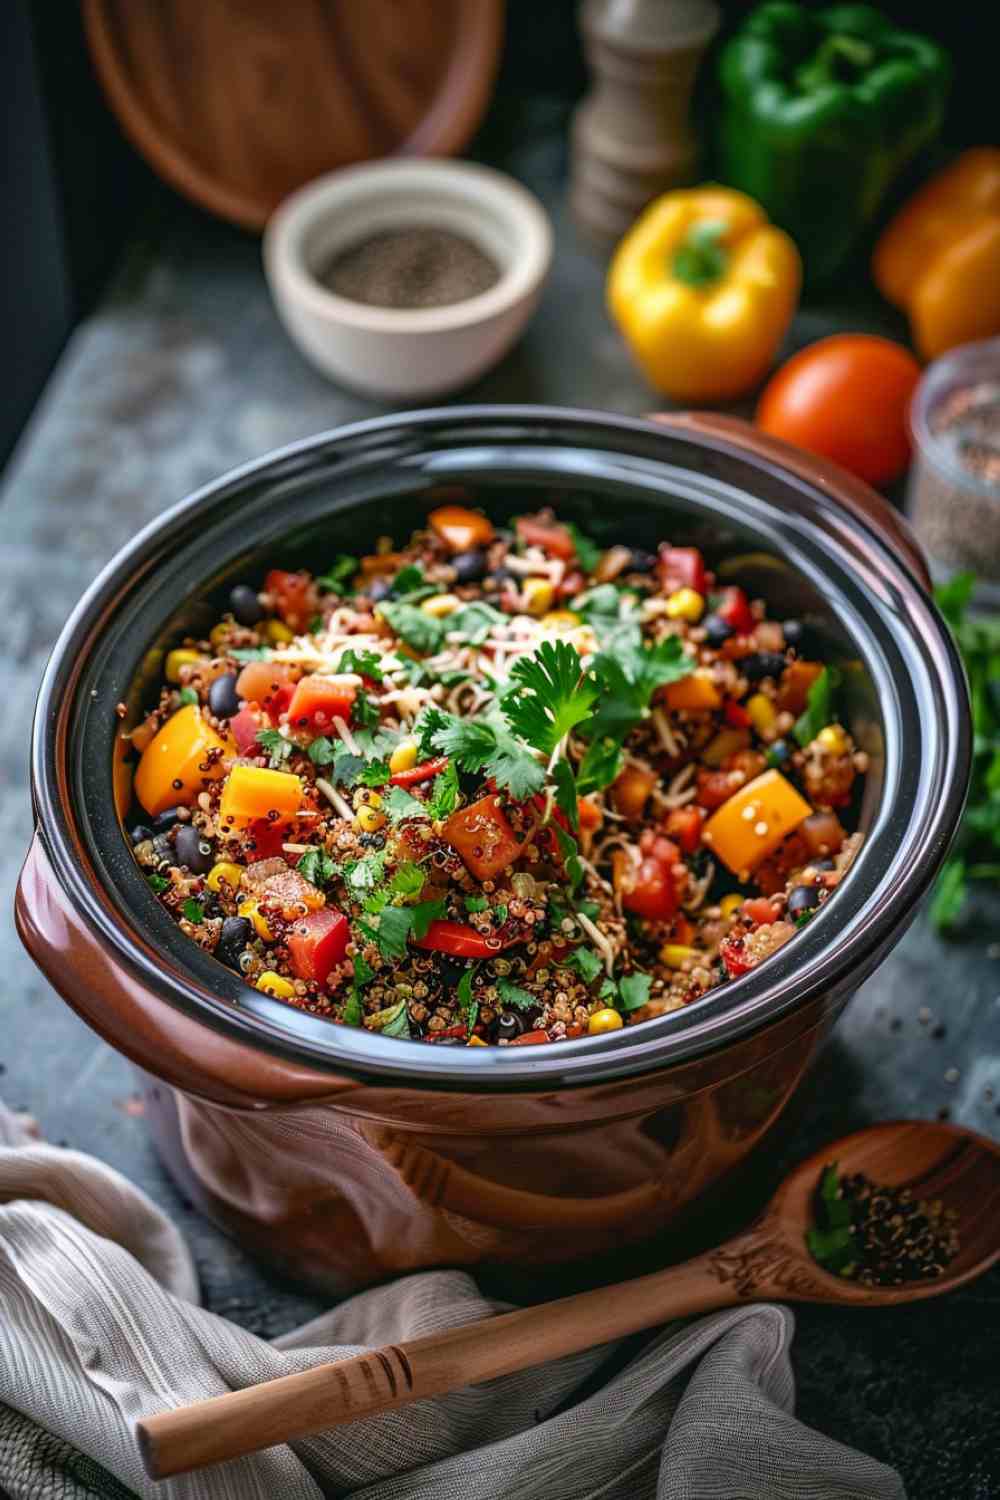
(377,773)
(612,616)
(628,678)
(157,883)
(444,793)
(317,867)
(476,903)
(512,994)
(819,706)
(323,752)
(334,580)
(600,766)
(393,930)
(398,1022)
(400,804)
(551,696)
(424,914)
(479,745)
(464,996)
(365,663)
(566,793)
(571,856)
(352,1013)
(408,579)
(193,910)
(588,553)
(188,695)
(364,711)
(408,880)
(420,631)
(278,748)
(514,768)
(633,990)
(586,963)
(363,875)
(474,621)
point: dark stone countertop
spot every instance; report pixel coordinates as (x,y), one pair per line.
(184,371)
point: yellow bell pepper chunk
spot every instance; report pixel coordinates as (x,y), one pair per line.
(754,821)
(178,659)
(249,907)
(253,792)
(275,984)
(175,766)
(603,1021)
(703,289)
(696,692)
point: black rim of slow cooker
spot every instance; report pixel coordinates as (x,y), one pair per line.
(924,783)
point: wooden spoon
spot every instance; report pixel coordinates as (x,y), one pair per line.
(769,1261)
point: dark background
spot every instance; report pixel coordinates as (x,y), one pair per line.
(74,187)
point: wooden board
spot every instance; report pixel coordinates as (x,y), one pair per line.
(238,102)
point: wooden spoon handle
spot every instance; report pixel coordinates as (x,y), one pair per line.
(296,1406)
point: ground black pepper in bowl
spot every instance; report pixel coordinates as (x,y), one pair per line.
(880,1236)
(419,266)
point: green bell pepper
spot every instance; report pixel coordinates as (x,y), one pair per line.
(818,112)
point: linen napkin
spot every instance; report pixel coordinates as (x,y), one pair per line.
(99,1326)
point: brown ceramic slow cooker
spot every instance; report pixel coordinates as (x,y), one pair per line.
(346,1156)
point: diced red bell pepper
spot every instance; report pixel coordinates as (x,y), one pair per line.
(244,727)
(759,911)
(317,701)
(530,1039)
(655,893)
(267,839)
(684,824)
(416,774)
(734,957)
(317,942)
(459,940)
(483,837)
(735,714)
(552,536)
(681,568)
(734,608)
(294,595)
(447,1034)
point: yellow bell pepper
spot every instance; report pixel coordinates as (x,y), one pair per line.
(939,259)
(703,288)
(253,792)
(175,767)
(754,821)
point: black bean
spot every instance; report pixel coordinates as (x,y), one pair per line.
(166,819)
(379,589)
(140,833)
(762,664)
(510,1025)
(469,567)
(223,699)
(194,850)
(802,898)
(641,562)
(233,939)
(245,605)
(716,630)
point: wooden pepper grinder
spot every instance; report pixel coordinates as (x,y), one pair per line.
(631,137)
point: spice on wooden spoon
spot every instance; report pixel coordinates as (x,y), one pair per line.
(880,1236)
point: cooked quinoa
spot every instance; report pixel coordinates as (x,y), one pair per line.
(497,786)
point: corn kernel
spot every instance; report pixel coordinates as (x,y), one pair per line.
(178,659)
(834,739)
(224,871)
(366,797)
(730,905)
(762,712)
(676,955)
(438,606)
(404,757)
(274,984)
(604,1020)
(538,595)
(561,619)
(219,634)
(368,820)
(476,1041)
(251,908)
(685,604)
(278,632)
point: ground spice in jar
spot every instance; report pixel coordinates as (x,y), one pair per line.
(410,268)
(880,1236)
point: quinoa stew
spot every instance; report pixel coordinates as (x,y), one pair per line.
(495,786)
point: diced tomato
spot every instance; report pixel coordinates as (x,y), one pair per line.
(793,689)
(735,714)
(552,536)
(681,568)
(317,701)
(685,824)
(658,847)
(417,774)
(734,957)
(318,942)
(530,1039)
(483,837)
(681,930)
(243,727)
(590,815)
(655,893)
(574,583)
(267,683)
(266,838)
(714,788)
(460,940)
(734,608)
(294,595)
(449,1031)
(759,911)
(630,791)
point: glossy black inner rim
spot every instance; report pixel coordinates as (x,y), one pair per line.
(885,614)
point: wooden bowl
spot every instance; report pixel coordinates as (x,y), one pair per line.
(237,103)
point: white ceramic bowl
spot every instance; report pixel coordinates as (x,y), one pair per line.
(391,352)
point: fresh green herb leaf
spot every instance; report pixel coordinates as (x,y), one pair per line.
(601,765)
(571,856)
(365,663)
(335,579)
(376,773)
(408,880)
(278,748)
(551,697)
(393,930)
(633,990)
(407,579)
(819,706)
(250,653)
(608,991)
(501,913)
(627,680)
(398,1023)
(353,1013)
(612,616)
(464,996)
(193,910)
(323,752)
(476,903)
(514,768)
(588,553)
(567,799)
(157,883)
(346,768)
(188,695)
(474,621)
(317,867)
(588,908)
(512,994)
(364,875)
(444,793)
(420,631)
(364,711)
(424,914)
(400,804)
(481,745)
(586,963)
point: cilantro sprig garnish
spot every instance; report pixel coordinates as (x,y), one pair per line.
(483,745)
(422,632)
(278,748)
(335,579)
(317,866)
(365,663)
(550,697)
(628,679)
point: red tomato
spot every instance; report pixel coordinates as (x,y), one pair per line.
(590,814)
(423,772)
(734,608)
(759,911)
(267,839)
(243,727)
(317,701)
(681,568)
(458,939)
(552,536)
(483,837)
(734,958)
(846,398)
(266,683)
(294,597)
(684,825)
(318,942)
(655,894)
(735,714)
(530,1039)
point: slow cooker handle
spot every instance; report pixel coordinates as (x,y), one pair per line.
(852,493)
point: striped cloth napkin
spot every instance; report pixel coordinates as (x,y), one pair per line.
(100,1325)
